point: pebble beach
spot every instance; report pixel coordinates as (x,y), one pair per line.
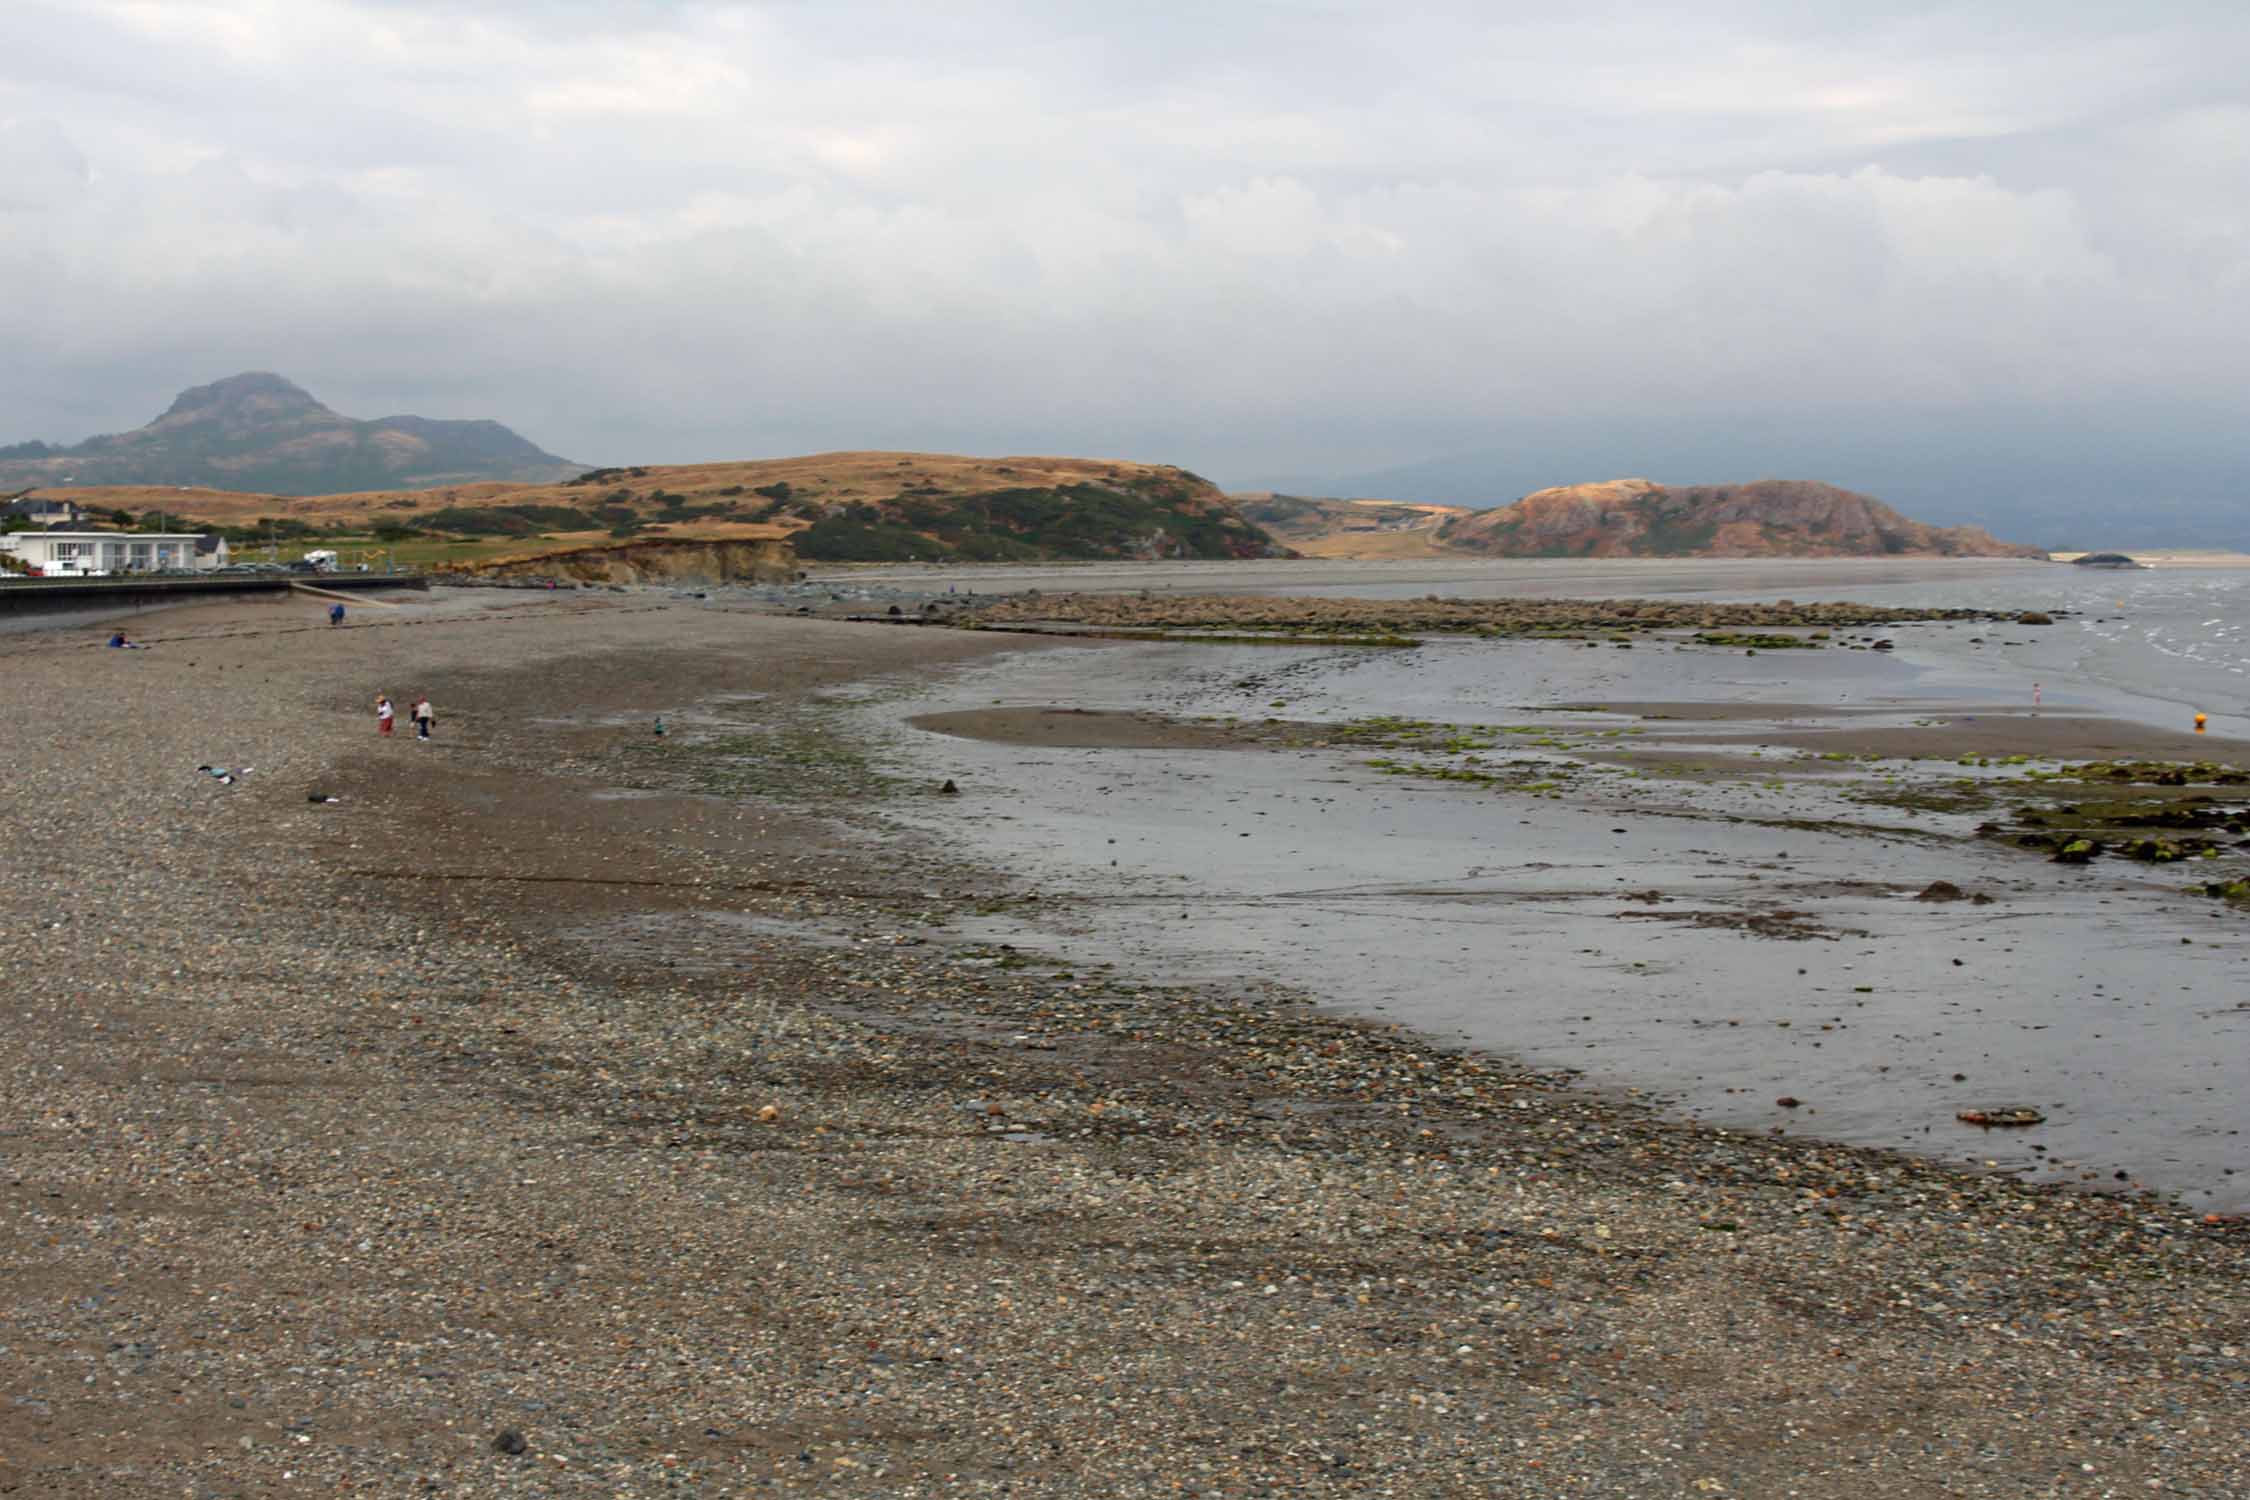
(560,1108)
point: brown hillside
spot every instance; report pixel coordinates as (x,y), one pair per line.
(831,478)
(954,505)
(1767,518)
(1350,528)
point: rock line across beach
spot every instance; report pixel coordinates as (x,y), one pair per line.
(567,1111)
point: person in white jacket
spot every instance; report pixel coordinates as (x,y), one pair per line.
(424,716)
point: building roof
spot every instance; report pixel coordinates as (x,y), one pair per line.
(110,536)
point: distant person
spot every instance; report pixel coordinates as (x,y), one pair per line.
(424,716)
(119,642)
(335,614)
(384,714)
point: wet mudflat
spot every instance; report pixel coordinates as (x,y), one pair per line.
(1712,905)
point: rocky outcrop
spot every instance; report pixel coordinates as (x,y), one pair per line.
(654,560)
(1615,619)
(1768,518)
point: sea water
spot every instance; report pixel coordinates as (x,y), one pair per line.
(1518,922)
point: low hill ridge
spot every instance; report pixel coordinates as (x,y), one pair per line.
(832,507)
(1764,518)
(1393,529)
(258,431)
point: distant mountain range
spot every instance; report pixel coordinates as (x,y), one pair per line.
(1626,518)
(259,432)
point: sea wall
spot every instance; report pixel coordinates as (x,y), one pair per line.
(109,596)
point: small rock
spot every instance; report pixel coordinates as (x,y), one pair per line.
(1940,890)
(2001,1118)
(508,1440)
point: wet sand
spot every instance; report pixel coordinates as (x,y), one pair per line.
(1942,732)
(1946,735)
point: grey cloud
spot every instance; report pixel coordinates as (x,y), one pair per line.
(1255,238)
(40,167)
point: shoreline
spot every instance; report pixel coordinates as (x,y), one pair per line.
(1012,1223)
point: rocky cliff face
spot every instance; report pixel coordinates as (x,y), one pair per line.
(685,561)
(1768,518)
(260,432)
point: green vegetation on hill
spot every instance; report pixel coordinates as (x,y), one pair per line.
(1147,515)
(505,520)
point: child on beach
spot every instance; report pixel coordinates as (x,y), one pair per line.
(335,614)
(383,714)
(425,717)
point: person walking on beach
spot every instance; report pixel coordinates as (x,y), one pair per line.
(424,716)
(335,614)
(383,715)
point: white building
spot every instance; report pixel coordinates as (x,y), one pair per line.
(112,554)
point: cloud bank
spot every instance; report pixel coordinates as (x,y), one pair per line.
(1261,239)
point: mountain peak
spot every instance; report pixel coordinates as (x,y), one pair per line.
(260,431)
(260,388)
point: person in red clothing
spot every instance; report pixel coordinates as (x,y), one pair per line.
(383,714)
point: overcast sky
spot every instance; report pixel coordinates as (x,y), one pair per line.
(1262,240)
